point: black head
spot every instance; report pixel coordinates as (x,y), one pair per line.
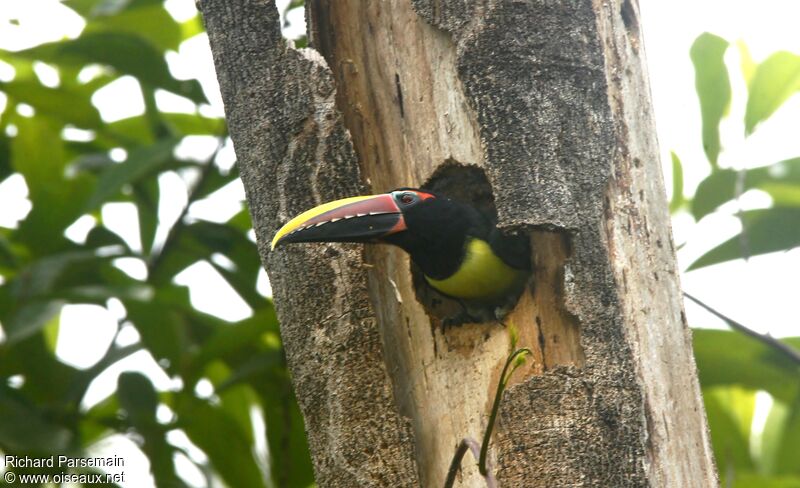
(436,230)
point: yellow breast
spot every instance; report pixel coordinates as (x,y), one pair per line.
(482,276)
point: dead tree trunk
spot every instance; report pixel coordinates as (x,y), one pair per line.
(542,104)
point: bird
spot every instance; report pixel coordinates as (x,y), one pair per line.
(459,249)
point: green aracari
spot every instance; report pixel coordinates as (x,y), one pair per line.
(458,249)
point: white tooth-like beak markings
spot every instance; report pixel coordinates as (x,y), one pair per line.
(361,206)
(304,227)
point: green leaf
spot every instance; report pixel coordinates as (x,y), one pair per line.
(730,412)
(240,250)
(206,425)
(75,276)
(783,194)
(729,358)
(5,157)
(772,438)
(170,328)
(147,195)
(713,88)
(746,479)
(9,256)
(140,163)
(162,328)
(191,124)
(199,241)
(47,380)
(23,68)
(25,428)
(151,22)
(774,81)
(241,221)
(289,456)
(126,53)
(41,277)
(293,4)
(779,180)
(97,419)
(719,187)
(781,439)
(81,7)
(177,255)
(747,64)
(101,293)
(215,179)
(677,184)
(138,129)
(237,402)
(96,8)
(89,160)
(50,332)
(767,230)
(234,339)
(191,27)
(37,152)
(68,106)
(257,366)
(30,319)
(101,236)
(139,400)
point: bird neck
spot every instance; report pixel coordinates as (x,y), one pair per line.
(441,259)
(481,275)
(437,234)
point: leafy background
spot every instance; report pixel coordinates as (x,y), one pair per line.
(733,367)
(113,220)
(225,378)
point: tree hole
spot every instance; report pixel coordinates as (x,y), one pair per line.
(469,185)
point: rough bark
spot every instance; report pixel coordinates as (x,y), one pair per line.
(550,101)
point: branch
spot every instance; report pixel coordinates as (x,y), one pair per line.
(785,349)
(501,385)
(177,227)
(744,238)
(113,354)
(455,464)
(515,359)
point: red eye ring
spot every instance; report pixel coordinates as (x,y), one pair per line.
(406,198)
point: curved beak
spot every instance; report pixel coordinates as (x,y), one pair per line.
(354,219)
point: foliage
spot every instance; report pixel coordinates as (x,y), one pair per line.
(770,84)
(732,366)
(714,88)
(42,408)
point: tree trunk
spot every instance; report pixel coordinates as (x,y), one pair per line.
(542,104)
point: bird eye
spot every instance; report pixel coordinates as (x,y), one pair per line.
(407,198)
